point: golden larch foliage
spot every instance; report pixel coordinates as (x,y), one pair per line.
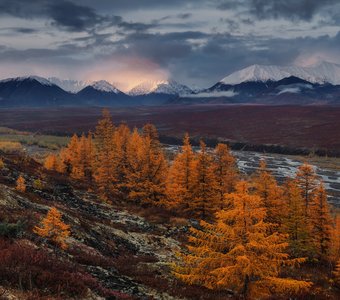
(322,223)
(146,170)
(51,162)
(180,180)
(21,184)
(205,197)
(53,228)
(105,171)
(295,222)
(307,180)
(225,170)
(237,253)
(266,187)
(335,240)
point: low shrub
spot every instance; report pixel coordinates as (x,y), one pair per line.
(25,267)
(11,230)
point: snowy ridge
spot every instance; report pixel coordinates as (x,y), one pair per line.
(169,87)
(41,80)
(321,73)
(69,85)
(105,86)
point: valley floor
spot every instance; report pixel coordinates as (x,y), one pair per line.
(283,129)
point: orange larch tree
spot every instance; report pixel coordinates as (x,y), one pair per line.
(266,187)
(106,171)
(307,180)
(335,240)
(225,170)
(21,184)
(146,171)
(121,140)
(295,223)
(322,223)
(51,162)
(237,253)
(181,176)
(205,198)
(53,228)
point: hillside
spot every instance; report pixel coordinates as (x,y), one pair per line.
(117,216)
(119,252)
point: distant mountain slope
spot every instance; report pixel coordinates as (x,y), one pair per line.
(32,91)
(69,85)
(168,87)
(102,93)
(323,72)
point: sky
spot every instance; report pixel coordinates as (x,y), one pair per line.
(195,42)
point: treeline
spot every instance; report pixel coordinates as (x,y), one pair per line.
(251,229)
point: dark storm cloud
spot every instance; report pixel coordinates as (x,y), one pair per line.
(73,17)
(289,9)
(275,9)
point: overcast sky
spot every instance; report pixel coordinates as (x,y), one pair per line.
(195,42)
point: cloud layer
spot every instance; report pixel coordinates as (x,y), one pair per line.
(195,42)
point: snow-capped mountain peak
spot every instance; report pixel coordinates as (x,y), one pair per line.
(104,86)
(41,80)
(323,72)
(69,85)
(169,87)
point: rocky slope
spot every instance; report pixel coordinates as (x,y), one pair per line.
(122,250)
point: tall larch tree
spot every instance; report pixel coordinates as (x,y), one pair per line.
(307,180)
(90,157)
(121,140)
(205,199)
(53,228)
(150,131)
(225,171)
(237,253)
(266,187)
(322,223)
(295,223)
(106,171)
(147,170)
(70,157)
(181,176)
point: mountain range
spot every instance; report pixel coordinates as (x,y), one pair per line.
(261,84)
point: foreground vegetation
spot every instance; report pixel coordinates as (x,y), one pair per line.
(249,237)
